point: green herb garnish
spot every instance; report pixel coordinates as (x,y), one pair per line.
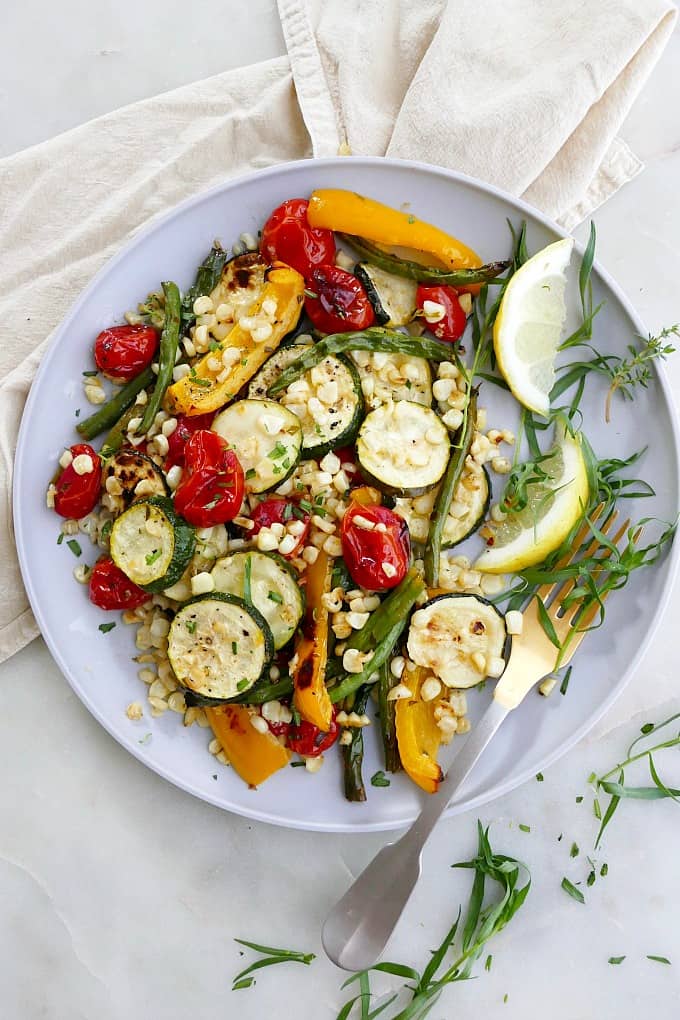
(242,684)
(571,889)
(234,648)
(660,959)
(191,626)
(106,627)
(271,956)
(379,779)
(250,473)
(524,828)
(247,584)
(616,959)
(275,597)
(574,852)
(539,777)
(153,556)
(278,451)
(60,539)
(74,546)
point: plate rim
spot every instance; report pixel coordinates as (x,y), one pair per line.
(137,237)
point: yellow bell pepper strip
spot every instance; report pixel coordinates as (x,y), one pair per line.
(418,736)
(254,756)
(308,666)
(201,391)
(365,495)
(349,213)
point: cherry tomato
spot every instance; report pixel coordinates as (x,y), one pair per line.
(287,237)
(122,352)
(177,440)
(308,740)
(367,551)
(341,303)
(211,490)
(451,326)
(110,588)
(76,494)
(279,729)
(281,511)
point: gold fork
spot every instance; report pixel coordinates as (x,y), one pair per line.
(358,928)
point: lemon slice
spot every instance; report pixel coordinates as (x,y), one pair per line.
(529,325)
(554,505)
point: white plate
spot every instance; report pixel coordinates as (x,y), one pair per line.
(98,666)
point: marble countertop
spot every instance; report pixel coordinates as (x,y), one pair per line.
(121,895)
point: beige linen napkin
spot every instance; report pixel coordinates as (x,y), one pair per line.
(525,94)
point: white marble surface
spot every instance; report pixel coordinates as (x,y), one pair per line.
(120,894)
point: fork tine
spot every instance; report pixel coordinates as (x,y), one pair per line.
(575,635)
(568,586)
(546,590)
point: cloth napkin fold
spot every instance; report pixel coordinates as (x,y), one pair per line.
(526,95)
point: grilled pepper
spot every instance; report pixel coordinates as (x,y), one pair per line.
(308,666)
(350,213)
(201,391)
(418,736)
(255,756)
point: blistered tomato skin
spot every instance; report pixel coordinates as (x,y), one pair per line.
(212,486)
(309,741)
(122,352)
(280,511)
(78,494)
(336,301)
(177,440)
(451,326)
(287,237)
(375,546)
(110,588)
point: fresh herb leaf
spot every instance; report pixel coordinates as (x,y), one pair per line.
(278,451)
(271,957)
(153,556)
(660,959)
(591,878)
(146,739)
(571,889)
(539,777)
(604,870)
(191,626)
(487,962)
(634,370)
(234,647)
(242,684)
(524,828)
(60,539)
(91,373)
(574,852)
(74,546)
(106,627)
(275,597)
(379,779)
(250,473)
(247,581)
(616,959)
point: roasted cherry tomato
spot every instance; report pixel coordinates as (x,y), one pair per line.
(110,588)
(281,511)
(76,494)
(211,490)
(340,304)
(375,546)
(308,740)
(287,237)
(177,440)
(122,352)
(451,326)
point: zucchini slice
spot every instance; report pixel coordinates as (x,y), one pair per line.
(393,298)
(266,437)
(273,586)
(219,646)
(403,448)
(327,399)
(151,544)
(241,283)
(129,468)
(393,377)
(447,632)
(469,505)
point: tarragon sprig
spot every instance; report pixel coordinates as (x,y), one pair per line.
(271,956)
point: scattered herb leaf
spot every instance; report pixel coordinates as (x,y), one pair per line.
(571,889)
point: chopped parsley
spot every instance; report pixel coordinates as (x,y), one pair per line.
(74,546)
(106,627)
(191,626)
(202,382)
(379,779)
(250,473)
(152,557)
(278,451)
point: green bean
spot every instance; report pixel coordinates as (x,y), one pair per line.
(260,693)
(373,339)
(388,729)
(207,278)
(454,470)
(353,753)
(424,274)
(166,355)
(110,412)
(117,437)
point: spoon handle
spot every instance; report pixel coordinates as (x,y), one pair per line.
(359,926)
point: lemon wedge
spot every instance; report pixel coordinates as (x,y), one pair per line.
(554,505)
(529,325)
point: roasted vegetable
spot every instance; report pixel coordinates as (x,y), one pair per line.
(166,355)
(202,390)
(353,753)
(110,413)
(418,736)
(387,709)
(129,467)
(253,755)
(308,665)
(390,263)
(151,544)
(454,470)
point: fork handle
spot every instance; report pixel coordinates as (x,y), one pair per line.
(359,926)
